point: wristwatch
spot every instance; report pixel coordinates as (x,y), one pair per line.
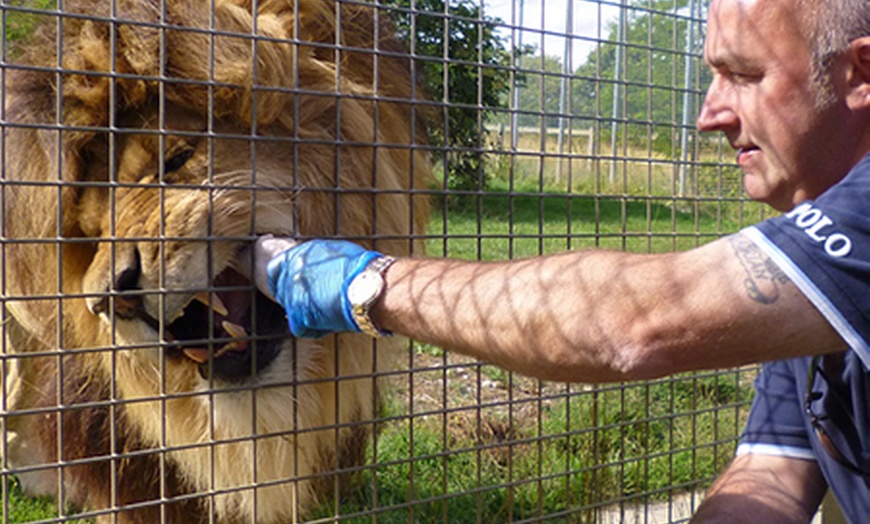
(364,290)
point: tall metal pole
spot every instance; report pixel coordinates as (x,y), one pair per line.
(563,87)
(617,78)
(686,121)
(515,105)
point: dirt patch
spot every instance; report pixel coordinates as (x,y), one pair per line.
(476,400)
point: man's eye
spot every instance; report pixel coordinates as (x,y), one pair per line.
(177,161)
(743,78)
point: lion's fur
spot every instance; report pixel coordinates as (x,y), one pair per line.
(87,131)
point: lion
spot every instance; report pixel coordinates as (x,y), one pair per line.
(146,145)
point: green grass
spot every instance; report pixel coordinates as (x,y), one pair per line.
(20,17)
(585,448)
(526,221)
(21,508)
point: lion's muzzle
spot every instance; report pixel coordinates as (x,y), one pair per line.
(230,330)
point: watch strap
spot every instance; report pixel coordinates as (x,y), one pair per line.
(362,312)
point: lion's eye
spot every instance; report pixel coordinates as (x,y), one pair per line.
(176,161)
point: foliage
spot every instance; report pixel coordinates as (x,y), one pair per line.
(21,508)
(465,69)
(650,83)
(539,91)
(653,72)
(542,89)
(20,19)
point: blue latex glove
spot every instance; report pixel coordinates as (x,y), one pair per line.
(310,281)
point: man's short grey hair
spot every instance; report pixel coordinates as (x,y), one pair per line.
(829,26)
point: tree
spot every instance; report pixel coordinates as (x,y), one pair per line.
(465,67)
(652,72)
(540,92)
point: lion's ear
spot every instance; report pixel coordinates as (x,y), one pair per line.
(234,63)
(93,78)
(140,40)
(103,62)
(138,48)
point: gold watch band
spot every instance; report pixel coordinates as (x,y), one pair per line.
(362,312)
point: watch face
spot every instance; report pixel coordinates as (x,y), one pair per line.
(364,288)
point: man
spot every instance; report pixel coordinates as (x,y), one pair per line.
(791,92)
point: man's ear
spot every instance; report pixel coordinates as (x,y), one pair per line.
(858,78)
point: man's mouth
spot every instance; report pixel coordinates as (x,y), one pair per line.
(744,153)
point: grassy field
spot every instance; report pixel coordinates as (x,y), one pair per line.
(529,218)
(561,453)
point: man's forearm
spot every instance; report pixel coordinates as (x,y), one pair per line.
(500,312)
(763,488)
(603,316)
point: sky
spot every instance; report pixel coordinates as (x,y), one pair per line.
(545,23)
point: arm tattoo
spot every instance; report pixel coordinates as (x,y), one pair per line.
(763,277)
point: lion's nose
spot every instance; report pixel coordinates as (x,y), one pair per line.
(126,306)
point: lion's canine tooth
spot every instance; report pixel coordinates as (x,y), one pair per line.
(234,330)
(216,303)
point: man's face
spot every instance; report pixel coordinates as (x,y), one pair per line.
(762,97)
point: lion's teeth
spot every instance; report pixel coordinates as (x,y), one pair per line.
(199,355)
(216,303)
(234,330)
(234,345)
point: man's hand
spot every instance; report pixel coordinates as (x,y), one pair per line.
(310,281)
(254,261)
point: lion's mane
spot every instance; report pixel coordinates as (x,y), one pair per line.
(145,144)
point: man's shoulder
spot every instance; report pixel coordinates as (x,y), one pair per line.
(823,246)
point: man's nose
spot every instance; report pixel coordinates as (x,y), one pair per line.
(718,113)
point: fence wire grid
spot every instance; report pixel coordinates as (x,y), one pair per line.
(146,143)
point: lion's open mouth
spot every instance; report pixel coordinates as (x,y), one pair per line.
(232,331)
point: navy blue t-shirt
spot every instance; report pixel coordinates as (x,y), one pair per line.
(824,247)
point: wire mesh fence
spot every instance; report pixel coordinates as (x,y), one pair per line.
(146,143)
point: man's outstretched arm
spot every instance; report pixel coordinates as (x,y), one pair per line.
(582,316)
(598,316)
